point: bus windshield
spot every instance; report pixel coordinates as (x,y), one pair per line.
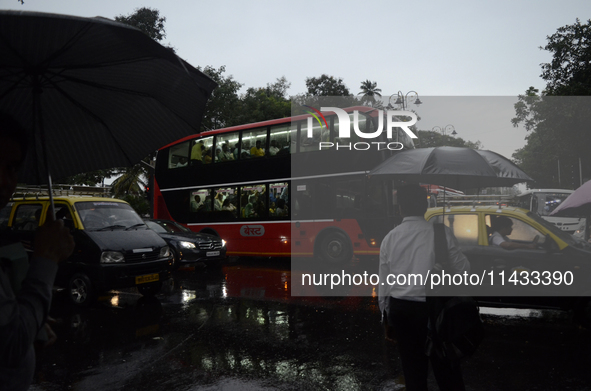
(552,228)
(547,202)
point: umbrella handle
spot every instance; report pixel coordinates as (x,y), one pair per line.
(38,119)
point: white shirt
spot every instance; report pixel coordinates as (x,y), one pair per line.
(496,239)
(410,249)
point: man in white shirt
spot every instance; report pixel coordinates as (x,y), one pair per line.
(502,227)
(409,249)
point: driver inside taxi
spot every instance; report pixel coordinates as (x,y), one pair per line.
(502,227)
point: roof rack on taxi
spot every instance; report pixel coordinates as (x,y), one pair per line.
(23,192)
(481,199)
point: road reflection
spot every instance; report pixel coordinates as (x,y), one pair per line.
(239,326)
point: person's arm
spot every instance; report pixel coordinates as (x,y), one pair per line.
(498,240)
(23,315)
(510,245)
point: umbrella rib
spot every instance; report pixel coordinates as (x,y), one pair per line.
(97,118)
(54,83)
(110,88)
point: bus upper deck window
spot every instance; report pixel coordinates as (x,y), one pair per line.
(178,155)
(281,139)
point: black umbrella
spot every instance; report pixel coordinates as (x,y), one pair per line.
(94,93)
(458,168)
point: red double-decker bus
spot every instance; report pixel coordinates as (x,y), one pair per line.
(270,190)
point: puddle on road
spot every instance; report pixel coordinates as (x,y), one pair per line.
(522,313)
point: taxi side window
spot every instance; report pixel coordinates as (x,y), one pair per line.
(522,232)
(5,215)
(27,217)
(62,211)
(463,226)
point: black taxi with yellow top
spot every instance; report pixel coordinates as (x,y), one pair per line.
(114,247)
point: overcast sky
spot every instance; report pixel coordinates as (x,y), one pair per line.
(436,48)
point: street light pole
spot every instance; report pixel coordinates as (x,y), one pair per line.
(444,130)
(402,99)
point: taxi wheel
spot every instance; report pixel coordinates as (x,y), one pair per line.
(335,248)
(80,290)
(150,289)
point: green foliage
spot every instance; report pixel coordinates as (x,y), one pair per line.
(558,118)
(326,86)
(138,203)
(261,104)
(146,19)
(558,136)
(569,72)
(132,180)
(430,139)
(223,105)
(92,178)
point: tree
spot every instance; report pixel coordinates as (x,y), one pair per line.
(326,86)
(261,104)
(569,72)
(430,138)
(369,90)
(92,178)
(223,105)
(129,185)
(148,20)
(557,119)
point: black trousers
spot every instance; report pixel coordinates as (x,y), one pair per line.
(410,319)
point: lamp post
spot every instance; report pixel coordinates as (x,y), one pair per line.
(402,99)
(444,130)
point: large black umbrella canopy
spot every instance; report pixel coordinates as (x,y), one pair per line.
(458,168)
(93,92)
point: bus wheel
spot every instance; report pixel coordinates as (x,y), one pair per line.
(335,249)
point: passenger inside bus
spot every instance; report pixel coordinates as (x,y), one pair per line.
(257,150)
(248,210)
(281,209)
(218,201)
(196,152)
(226,154)
(207,159)
(182,162)
(274,148)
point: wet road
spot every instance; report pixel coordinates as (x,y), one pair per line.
(238,328)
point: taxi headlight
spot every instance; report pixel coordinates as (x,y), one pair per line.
(188,245)
(112,257)
(223,243)
(165,252)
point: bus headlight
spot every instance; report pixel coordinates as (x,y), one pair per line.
(165,252)
(188,245)
(112,257)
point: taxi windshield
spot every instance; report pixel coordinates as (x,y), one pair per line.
(568,238)
(105,215)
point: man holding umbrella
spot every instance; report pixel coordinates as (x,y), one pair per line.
(23,312)
(409,249)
